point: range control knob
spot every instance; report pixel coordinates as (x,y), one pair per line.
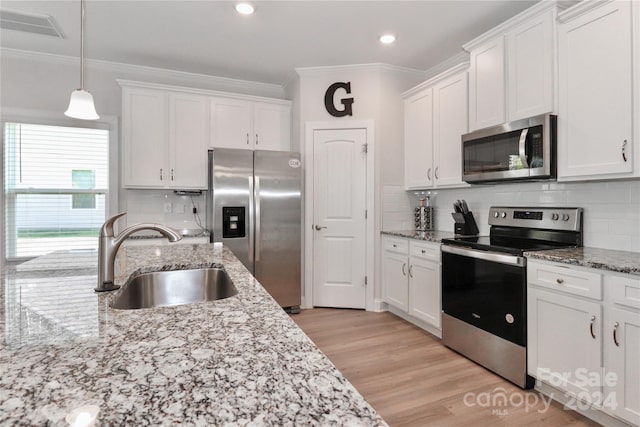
(555,216)
(503,215)
(565,217)
(496,214)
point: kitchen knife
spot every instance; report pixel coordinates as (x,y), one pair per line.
(465,207)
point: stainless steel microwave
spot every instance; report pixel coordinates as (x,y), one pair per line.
(520,150)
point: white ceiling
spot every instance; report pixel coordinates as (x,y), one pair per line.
(209,37)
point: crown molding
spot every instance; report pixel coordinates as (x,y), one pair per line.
(377,66)
(203,79)
(462,58)
(196,91)
(499,30)
(580,9)
(451,71)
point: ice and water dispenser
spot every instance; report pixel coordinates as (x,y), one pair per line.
(233,223)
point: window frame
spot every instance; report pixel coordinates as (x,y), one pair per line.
(41,117)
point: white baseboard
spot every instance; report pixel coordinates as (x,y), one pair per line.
(419,323)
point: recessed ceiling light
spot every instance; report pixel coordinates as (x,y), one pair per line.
(245,8)
(387,38)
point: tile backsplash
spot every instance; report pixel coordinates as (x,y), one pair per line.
(153,206)
(611,209)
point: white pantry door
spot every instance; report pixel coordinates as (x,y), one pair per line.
(339,222)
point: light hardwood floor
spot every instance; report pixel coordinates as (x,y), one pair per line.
(411,379)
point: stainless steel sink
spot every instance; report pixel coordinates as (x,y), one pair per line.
(176,287)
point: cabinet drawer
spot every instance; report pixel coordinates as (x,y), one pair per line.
(400,246)
(623,290)
(428,251)
(565,279)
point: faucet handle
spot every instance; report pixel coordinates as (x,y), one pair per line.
(107,227)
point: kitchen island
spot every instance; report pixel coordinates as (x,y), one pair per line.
(236,361)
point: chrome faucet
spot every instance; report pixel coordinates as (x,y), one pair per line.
(109,244)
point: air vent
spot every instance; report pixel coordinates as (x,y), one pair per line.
(29,23)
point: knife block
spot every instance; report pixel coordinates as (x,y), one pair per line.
(465,224)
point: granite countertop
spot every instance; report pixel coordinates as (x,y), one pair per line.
(236,361)
(605,259)
(430,236)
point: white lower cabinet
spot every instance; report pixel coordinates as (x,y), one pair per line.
(411,278)
(583,344)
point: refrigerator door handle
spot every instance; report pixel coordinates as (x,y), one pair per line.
(250,219)
(256,199)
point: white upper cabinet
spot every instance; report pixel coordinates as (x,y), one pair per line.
(597,91)
(530,66)
(487,85)
(145,138)
(435,118)
(164,139)
(260,125)
(418,140)
(449,124)
(511,75)
(188,141)
(231,123)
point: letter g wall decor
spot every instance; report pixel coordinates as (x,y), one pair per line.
(347,102)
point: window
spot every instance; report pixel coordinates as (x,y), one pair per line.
(56,187)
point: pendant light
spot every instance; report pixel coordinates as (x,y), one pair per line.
(81,102)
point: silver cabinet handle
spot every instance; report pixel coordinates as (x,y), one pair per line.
(160,174)
(319,228)
(256,139)
(423,251)
(436,172)
(522,148)
(171,174)
(411,271)
(404,266)
(247,138)
(624,148)
(429,174)
(559,281)
(593,320)
(395,246)
(615,334)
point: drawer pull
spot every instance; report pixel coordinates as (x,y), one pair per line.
(593,320)
(559,281)
(615,334)
(395,246)
(423,251)
(624,154)
(404,272)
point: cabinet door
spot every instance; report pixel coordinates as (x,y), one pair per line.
(449,124)
(530,68)
(487,85)
(145,138)
(564,337)
(623,359)
(596,96)
(418,140)
(231,123)
(424,291)
(188,141)
(271,126)
(395,280)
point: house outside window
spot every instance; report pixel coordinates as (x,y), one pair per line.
(56,183)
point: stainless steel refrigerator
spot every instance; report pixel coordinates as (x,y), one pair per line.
(255,210)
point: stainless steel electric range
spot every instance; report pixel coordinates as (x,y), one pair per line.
(484,298)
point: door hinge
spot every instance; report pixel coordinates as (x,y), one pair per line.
(365,280)
(365,214)
(365,148)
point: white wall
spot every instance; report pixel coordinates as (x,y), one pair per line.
(376,89)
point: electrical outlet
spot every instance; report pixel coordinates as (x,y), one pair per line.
(167,208)
(180,208)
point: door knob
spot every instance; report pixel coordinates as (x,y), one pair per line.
(319,228)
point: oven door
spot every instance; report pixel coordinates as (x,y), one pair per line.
(486,290)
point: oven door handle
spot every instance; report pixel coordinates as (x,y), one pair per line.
(514,260)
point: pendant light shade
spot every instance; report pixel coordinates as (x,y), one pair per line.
(81,102)
(81,106)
